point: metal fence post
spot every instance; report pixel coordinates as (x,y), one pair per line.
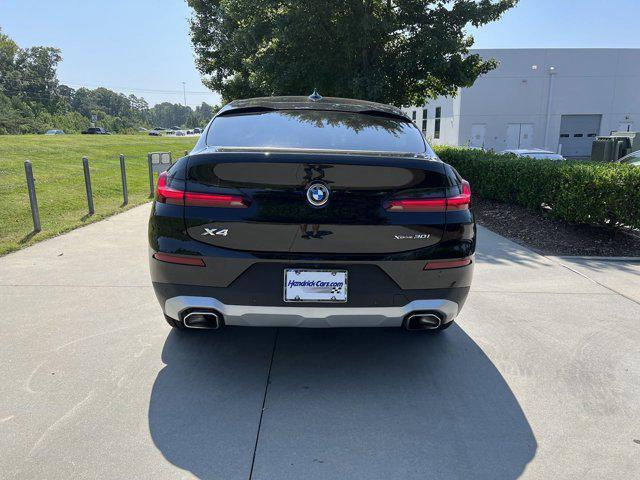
(87,184)
(150,175)
(31,186)
(123,174)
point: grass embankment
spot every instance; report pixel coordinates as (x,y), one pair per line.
(57,168)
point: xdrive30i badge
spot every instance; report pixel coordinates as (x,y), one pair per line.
(417,236)
(318,194)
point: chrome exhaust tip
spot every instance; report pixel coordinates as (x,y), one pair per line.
(423,321)
(202,319)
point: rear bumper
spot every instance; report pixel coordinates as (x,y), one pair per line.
(310,317)
(250,292)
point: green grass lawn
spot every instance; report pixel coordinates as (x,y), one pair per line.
(57,168)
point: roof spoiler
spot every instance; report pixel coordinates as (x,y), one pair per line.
(262,109)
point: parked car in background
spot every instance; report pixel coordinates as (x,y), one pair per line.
(189,132)
(155,133)
(632,159)
(95,131)
(534,153)
(197,130)
(54,132)
(180,133)
(350,221)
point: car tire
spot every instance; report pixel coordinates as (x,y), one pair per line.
(177,324)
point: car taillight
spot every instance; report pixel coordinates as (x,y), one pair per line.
(418,205)
(458,202)
(213,200)
(166,194)
(462,201)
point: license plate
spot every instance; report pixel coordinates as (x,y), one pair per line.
(315,285)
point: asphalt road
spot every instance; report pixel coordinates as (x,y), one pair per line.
(540,378)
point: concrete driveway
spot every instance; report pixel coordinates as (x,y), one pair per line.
(540,378)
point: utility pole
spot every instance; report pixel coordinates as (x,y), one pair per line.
(184,93)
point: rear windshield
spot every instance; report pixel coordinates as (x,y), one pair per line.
(317,130)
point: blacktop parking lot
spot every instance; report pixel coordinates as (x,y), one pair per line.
(539,379)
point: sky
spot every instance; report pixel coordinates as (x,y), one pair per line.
(143,47)
(131,46)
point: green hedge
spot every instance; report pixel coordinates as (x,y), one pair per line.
(578,192)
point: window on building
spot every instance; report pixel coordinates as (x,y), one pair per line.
(424,121)
(414,115)
(436,128)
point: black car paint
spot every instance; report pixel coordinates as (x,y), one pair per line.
(281,229)
(171,228)
(282,218)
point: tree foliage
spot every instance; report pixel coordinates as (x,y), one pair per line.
(32,100)
(28,75)
(392,51)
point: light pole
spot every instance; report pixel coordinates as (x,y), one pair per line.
(184,93)
(547,127)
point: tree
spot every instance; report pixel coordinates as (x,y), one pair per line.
(140,108)
(29,74)
(392,51)
(168,114)
(8,52)
(38,84)
(33,101)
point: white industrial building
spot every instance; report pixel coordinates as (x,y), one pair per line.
(557,99)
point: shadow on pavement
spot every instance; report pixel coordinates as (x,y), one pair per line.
(362,403)
(205,403)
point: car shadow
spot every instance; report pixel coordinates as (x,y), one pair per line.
(205,403)
(350,403)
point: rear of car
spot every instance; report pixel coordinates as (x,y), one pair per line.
(294,212)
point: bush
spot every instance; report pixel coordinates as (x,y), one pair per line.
(578,192)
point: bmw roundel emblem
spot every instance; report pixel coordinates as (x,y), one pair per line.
(317,194)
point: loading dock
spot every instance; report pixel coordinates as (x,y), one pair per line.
(577,134)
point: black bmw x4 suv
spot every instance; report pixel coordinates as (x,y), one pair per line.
(311,212)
